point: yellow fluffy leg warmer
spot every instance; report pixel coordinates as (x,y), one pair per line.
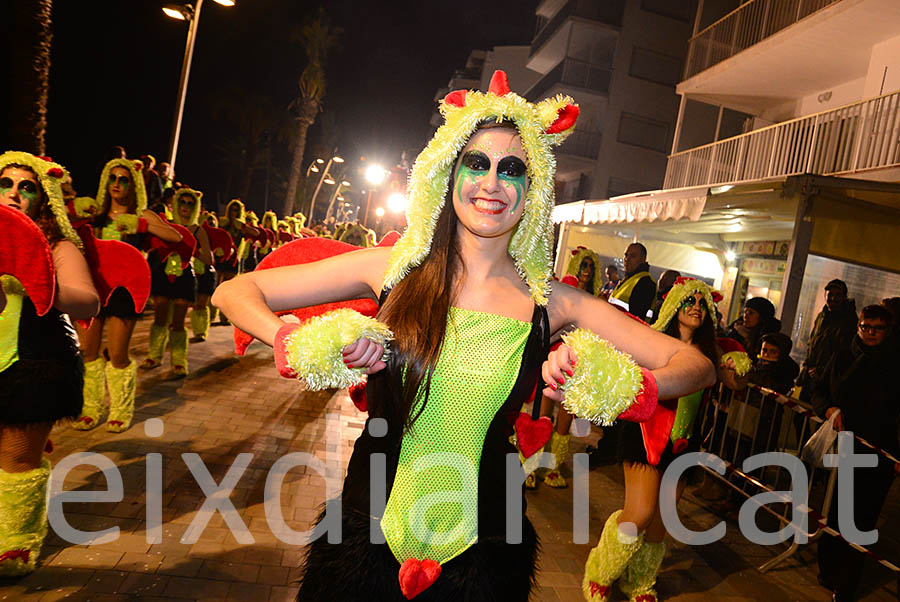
(23,518)
(559,447)
(94,395)
(608,560)
(178,341)
(200,322)
(122,383)
(639,578)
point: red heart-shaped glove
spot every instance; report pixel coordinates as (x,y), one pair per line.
(533,434)
(281,358)
(644,405)
(416,576)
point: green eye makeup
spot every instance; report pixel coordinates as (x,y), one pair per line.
(26,188)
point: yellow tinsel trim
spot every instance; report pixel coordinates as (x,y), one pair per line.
(52,188)
(531,242)
(606,380)
(314,350)
(575,266)
(137,178)
(742,363)
(677,294)
(176,206)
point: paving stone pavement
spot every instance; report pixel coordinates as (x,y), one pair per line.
(231,408)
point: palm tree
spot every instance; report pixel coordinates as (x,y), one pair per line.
(316,38)
(30,35)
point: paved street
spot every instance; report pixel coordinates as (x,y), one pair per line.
(230,406)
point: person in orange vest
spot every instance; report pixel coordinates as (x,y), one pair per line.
(636,291)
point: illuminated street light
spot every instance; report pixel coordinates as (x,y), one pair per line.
(325,177)
(335,195)
(314,168)
(396,202)
(729,255)
(379,211)
(337,159)
(191,14)
(320,161)
(375,174)
(328,180)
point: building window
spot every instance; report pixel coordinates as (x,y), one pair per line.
(680,10)
(655,67)
(620,186)
(643,131)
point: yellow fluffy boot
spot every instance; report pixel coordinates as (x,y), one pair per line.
(608,560)
(199,323)
(178,344)
(122,383)
(639,578)
(94,395)
(559,447)
(159,338)
(23,518)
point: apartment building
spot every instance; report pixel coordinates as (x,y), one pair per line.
(784,162)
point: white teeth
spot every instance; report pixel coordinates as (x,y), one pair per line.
(489,205)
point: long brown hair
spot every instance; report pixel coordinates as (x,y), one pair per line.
(130,197)
(416,311)
(41,213)
(704,337)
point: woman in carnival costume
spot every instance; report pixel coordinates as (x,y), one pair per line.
(122,215)
(249,255)
(43,275)
(268,224)
(467,302)
(357,235)
(234,221)
(204,268)
(175,288)
(634,555)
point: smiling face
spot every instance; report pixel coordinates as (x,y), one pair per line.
(20,189)
(692,312)
(118,184)
(490,182)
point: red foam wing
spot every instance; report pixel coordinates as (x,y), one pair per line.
(271,236)
(26,256)
(306,250)
(184,247)
(114,263)
(389,239)
(220,239)
(285,236)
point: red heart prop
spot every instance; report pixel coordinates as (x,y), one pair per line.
(532,434)
(679,446)
(358,396)
(416,576)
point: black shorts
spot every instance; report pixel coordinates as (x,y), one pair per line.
(206,282)
(183,287)
(121,305)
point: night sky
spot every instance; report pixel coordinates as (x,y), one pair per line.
(116,65)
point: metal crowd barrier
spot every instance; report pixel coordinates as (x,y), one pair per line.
(737,425)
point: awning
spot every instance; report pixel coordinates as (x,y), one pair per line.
(654,206)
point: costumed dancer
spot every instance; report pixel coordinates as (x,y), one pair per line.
(224,252)
(122,216)
(250,254)
(43,275)
(631,547)
(465,298)
(357,235)
(174,285)
(269,226)
(234,222)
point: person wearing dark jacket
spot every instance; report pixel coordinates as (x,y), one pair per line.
(833,329)
(758,318)
(855,383)
(636,291)
(774,368)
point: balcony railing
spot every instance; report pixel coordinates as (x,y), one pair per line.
(609,12)
(743,27)
(572,72)
(856,137)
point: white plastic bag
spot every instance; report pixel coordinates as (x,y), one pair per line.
(822,442)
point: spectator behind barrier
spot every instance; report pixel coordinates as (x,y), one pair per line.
(758,319)
(857,382)
(636,290)
(833,329)
(774,368)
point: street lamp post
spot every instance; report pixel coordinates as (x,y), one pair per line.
(375,176)
(191,14)
(312,203)
(334,195)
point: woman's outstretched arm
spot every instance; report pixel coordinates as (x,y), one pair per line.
(75,292)
(251,299)
(679,369)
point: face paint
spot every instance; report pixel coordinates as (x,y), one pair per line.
(474,165)
(511,171)
(27,189)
